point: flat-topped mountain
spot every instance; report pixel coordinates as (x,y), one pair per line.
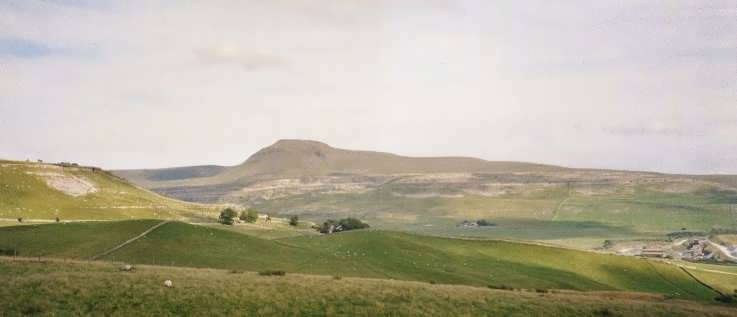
(316,181)
(301,158)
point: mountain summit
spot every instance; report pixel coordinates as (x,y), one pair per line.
(297,158)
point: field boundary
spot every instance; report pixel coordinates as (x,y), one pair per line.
(129,241)
(706,270)
(556,211)
(701,282)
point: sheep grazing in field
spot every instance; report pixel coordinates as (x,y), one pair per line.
(168,283)
(126,268)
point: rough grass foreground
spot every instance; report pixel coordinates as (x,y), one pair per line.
(96,288)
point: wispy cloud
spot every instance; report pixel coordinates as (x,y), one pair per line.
(653,128)
(229,53)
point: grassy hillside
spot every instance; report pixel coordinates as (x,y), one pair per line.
(721,277)
(98,288)
(725,283)
(652,208)
(553,215)
(44,191)
(374,254)
(271,231)
(79,240)
(479,262)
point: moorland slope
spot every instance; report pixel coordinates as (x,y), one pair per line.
(37,191)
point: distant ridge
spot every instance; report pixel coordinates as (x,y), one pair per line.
(176,173)
(315,158)
(298,158)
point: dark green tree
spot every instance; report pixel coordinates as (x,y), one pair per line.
(328,226)
(608,244)
(250,215)
(294,220)
(484,223)
(352,224)
(345,224)
(227,216)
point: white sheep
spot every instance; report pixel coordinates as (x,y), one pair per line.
(168,283)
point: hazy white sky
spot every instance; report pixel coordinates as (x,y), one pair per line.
(649,85)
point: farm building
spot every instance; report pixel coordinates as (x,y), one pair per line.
(652,252)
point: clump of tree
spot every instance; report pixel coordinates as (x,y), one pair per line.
(346,224)
(477,223)
(685,234)
(485,223)
(608,244)
(250,215)
(294,220)
(227,216)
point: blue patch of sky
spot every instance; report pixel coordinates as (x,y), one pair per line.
(29,49)
(22,48)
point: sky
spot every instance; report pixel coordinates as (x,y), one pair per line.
(638,85)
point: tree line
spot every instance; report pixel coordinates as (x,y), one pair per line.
(228,217)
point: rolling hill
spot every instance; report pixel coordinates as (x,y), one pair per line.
(373,254)
(433,195)
(37,191)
